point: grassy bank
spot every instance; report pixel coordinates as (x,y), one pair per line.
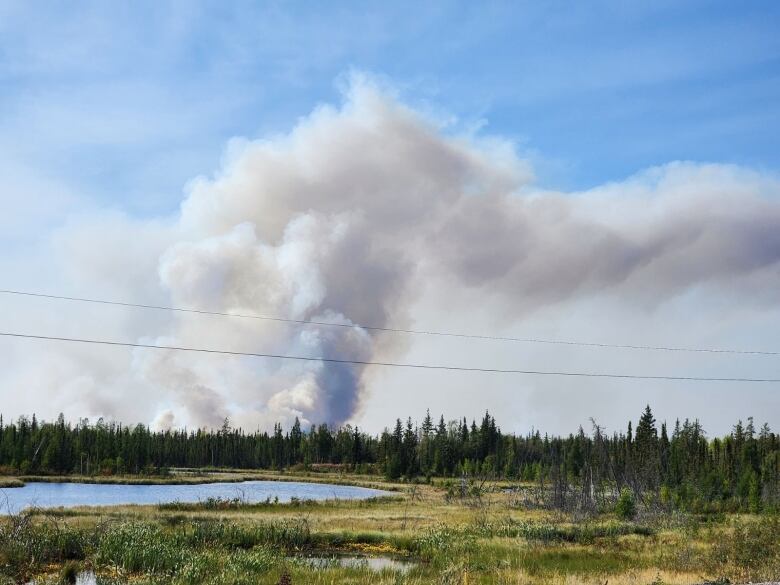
(451,541)
(129,479)
(194,477)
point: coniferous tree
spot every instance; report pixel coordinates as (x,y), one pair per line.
(740,471)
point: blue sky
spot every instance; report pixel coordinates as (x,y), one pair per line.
(110,111)
(125,102)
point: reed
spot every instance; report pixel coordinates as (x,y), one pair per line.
(231,543)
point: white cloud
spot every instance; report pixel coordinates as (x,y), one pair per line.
(371,214)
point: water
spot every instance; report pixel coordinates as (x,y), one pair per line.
(68,495)
(356,561)
(83,578)
(318,562)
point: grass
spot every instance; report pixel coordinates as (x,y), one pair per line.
(174,479)
(452,542)
(193,477)
(238,504)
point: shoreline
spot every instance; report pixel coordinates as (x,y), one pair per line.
(200,478)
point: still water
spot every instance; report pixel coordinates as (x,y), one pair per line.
(318,562)
(49,495)
(376,563)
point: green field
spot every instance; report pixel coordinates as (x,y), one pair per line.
(486,536)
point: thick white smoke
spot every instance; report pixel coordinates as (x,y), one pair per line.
(346,219)
(332,222)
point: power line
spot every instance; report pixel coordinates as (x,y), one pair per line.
(386,364)
(393,329)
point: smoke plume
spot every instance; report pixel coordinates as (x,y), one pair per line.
(355,211)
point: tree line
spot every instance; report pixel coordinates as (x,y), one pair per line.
(676,468)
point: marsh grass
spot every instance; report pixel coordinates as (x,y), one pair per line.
(69,572)
(453,542)
(214,475)
(586,532)
(241,505)
(747,552)
(127,479)
(26,547)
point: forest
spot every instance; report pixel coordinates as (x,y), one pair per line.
(677,468)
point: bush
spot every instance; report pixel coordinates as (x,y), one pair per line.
(666,497)
(26,547)
(626,506)
(750,552)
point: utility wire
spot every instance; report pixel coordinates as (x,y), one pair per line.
(386,364)
(393,329)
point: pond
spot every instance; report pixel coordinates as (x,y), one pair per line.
(318,562)
(375,563)
(49,495)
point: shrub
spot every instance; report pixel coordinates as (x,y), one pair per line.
(626,506)
(27,546)
(751,552)
(666,497)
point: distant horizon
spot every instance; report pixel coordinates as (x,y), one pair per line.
(605,175)
(758,426)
